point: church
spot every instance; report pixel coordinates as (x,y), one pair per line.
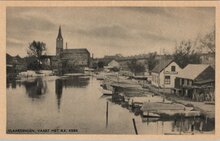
(72,60)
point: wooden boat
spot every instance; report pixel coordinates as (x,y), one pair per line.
(107,92)
(150,115)
(158,106)
(165,109)
(149,119)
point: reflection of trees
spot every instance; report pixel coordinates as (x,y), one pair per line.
(76,82)
(68,82)
(59,91)
(36,88)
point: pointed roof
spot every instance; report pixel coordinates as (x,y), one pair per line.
(59,33)
(162,65)
(191,71)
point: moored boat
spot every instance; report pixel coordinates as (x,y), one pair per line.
(106,92)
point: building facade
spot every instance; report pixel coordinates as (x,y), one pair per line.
(164,74)
(196,81)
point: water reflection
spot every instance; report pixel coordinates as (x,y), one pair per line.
(69,82)
(79,97)
(59,91)
(12,84)
(193,124)
(35,88)
(76,82)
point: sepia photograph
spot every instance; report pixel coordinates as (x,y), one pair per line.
(110,70)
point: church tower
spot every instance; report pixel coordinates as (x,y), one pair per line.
(59,43)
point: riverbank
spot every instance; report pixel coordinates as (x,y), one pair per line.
(206,109)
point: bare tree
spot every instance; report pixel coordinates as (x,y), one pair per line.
(208,41)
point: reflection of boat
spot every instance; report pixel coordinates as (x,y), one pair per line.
(106,92)
(149,119)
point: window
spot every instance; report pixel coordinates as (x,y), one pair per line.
(173,68)
(167,80)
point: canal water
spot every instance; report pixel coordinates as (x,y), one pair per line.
(75,105)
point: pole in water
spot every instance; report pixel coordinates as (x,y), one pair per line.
(135,128)
(107,114)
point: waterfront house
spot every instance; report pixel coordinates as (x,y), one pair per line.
(164,74)
(196,81)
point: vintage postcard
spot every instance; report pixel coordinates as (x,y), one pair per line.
(132,69)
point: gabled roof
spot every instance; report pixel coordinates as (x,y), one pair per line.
(162,65)
(113,63)
(191,71)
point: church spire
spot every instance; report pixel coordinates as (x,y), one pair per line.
(59,43)
(59,33)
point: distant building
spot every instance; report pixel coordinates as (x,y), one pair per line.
(195,79)
(164,74)
(113,65)
(69,60)
(15,64)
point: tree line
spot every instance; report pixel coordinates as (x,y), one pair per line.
(186,52)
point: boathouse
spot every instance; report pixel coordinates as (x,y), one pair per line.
(164,74)
(196,81)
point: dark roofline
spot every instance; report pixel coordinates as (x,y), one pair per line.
(76,49)
(171,61)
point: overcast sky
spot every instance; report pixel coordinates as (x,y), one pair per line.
(106,31)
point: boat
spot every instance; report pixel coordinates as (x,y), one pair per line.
(166,109)
(107,92)
(75,74)
(192,113)
(159,106)
(150,115)
(104,75)
(149,119)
